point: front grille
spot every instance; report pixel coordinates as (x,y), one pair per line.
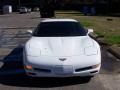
(83,69)
(42,70)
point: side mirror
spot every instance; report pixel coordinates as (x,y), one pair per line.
(29,31)
(90,31)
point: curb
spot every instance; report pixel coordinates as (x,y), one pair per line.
(114,50)
(99,39)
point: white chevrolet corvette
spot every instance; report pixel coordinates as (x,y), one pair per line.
(61,48)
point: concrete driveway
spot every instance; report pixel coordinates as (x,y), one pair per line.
(12,76)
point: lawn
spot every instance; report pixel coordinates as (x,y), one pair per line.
(110,29)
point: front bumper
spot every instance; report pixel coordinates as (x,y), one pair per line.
(52,67)
(56,72)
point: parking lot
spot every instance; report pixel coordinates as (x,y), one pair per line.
(13,36)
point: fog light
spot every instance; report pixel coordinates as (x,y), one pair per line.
(29,67)
(96,66)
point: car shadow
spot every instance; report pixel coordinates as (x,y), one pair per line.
(13,74)
(12,62)
(23,81)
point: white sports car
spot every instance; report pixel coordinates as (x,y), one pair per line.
(61,48)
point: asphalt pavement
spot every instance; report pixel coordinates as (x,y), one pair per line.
(13,36)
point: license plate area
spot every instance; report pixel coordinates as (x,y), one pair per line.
(63,70)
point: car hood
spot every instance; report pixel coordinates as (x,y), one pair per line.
(59,46)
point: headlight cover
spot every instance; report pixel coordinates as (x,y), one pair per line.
(33,52)
(91,51)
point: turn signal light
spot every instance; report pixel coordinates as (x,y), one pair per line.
(96,66)
(29,67)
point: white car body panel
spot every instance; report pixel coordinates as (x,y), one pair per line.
(59,46)
(48,52)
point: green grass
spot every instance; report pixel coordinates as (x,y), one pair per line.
(87,23)
(109,29)
(99,33)
(113,39)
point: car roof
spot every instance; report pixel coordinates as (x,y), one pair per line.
(59,20)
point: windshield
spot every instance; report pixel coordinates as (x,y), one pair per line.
(59,29)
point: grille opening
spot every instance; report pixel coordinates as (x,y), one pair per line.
(94,72)
(29,73)
(83,69)
(42,70)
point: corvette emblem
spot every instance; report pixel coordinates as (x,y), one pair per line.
(62,59)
